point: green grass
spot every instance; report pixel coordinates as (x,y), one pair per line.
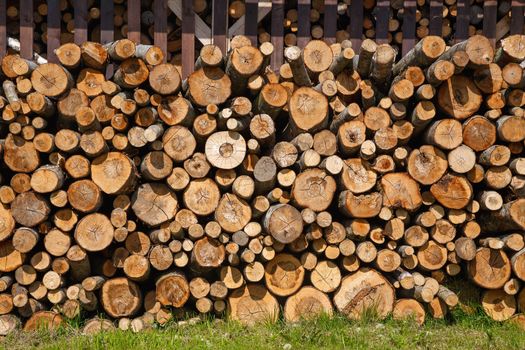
(459,331)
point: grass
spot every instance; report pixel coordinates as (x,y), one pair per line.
(458,331)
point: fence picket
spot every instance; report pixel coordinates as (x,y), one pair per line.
(188,38)
(26,29)
(303,22)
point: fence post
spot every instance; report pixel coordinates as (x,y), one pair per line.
(303,22)
(3,30)
(250,20)
(462,20)
(355,12)
(26,29)
(490,12)
(219,24)
(436,17)
(81,25)
(188,38)
(382,17)
(160,26)
(517,16)
(330,20)
(277,34)
(53,29)
(133,20)
(409,27)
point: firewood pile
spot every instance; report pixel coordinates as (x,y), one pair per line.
(343,182)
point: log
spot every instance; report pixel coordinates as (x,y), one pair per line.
(306,304)
(498,263)
(284,275)
(172,290)
(250,297)
(120,297)
(363,291)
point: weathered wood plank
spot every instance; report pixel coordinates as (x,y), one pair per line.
(409,27)
(160,27)
(219,26)
(356,23)
(81,21)
(26,29)
(490,12)
(188,38)
(303,22)
(382,16)
(106,29)
(462,20)
(53,29)
(517,16)
(3,31)
(277,34)
(250,20)
(134,20)
(330,20)
(436,17)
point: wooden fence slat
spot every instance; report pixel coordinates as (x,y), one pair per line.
(277,34)
(250,20)
(3,30)
(188,38)
(219,25)
(26,29)
(436,17)
(303,22)
(409,27)
(133,20)
(490,12)
(355,12)
(53,29)
(81,21)
(107,34)
(517,16)
(382,17)
(160,26)
(462,20)
(330,20)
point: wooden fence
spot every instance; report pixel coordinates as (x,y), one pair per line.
(193,27)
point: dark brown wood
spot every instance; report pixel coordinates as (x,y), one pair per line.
(462,20)
(383,13)
(134,20)
(330,20)
(250,20)
(160,27)
(219,26)
(3,32)
(490,12)
(303,22)
(277,34)
(53,29)
(517,16)
(436,17)
(81,21)
(26,29)
(356,23)
(107,34)
(409,27)
(188,38)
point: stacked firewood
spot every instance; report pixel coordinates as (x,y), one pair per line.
(372,15)
(345,181)
(237,8)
